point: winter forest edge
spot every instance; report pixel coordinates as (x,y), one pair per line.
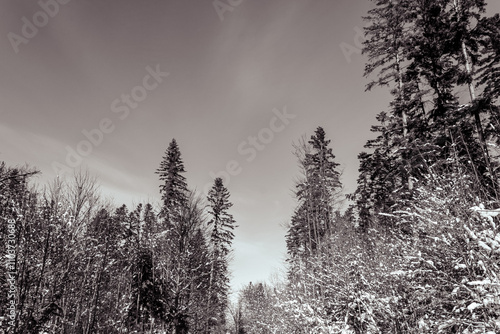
(416,251)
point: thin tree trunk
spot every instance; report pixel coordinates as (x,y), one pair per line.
(472,93)
(44,262)
(79,306)
(403,113)
(207,325)
(96,293)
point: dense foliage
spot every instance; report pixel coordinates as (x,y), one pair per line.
(80,265)
(417,251)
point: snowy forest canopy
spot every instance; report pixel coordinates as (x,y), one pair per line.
(417,250)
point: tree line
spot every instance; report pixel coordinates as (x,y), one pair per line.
(418,249)
(82,265)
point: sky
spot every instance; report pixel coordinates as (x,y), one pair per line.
(106,85)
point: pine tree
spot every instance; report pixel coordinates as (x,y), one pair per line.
(387,48)
(317,194)
(323,179)
(200,262)
(175,233)
(149,223)
(174,187)
(489,65)
(222,221)
(425,50)
(147,303)
(184,271)
(222,224)
(488,78)
(381,174)
(445,49)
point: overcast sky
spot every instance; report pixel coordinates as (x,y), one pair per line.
(144,72)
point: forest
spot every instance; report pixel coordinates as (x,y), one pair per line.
(416,251)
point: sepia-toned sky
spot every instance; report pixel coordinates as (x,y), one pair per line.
(221,81)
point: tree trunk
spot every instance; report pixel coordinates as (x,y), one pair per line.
(472,93)
(403,113)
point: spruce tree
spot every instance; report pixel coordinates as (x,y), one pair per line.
(222,225)
(317,194)
(425,51)
(173,238)
(174,186)
(200,262)
(381,174)
(489,65)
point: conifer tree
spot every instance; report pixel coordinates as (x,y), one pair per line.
(146,300)
(445,49)
(489,65)
(381,173)
(425,50)
(200,262)
(147,303)
(317,193)
(222,224)
(176,228)
(387,48)
(184,270)
(174,187)
(222,221)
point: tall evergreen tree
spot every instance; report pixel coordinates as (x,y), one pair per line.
(222,224)
(317,193)
(381,173)
(423,49)
(174,235)
(489,65)
(445,49)
(387,48)
(184,270)
(200,262)
(174,187)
